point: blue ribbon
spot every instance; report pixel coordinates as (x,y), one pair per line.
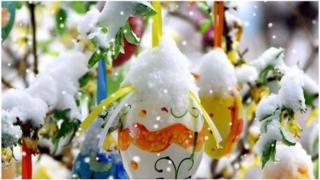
(102,81)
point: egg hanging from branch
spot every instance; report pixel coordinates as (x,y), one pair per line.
(221,99)
(161,133)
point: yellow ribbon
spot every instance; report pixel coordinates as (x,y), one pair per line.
(207,118)
(105,104)
(313,115)
(156,24)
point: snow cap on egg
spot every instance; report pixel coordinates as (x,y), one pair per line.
(217,74)
(161,76)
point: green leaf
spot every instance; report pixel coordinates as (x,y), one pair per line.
(316,168)
(118,44)
(66,128)
(310,98)
(205,26)
(204,8)
(114,82)
(11,11)
(61,18)
(83,81)
(63,114)
(131,37)
(100,53)
(269,152)
(144,9)
(262,79)
(287,138)
(79,7)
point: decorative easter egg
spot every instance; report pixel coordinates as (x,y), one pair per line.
(162,134)
(219,97)
(92,163)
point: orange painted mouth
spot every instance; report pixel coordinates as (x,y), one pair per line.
(158,141)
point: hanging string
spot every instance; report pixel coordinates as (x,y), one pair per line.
(218,15)
(213,128)
(156,24)
(105,104)
(102,81)
(26,162)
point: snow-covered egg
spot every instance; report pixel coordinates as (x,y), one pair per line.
(220,98)
(161,134)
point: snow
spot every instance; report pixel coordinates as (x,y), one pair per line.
(273,133)
(44,87)
(310,85)
(272,56)
(292,163)
(55,89)
(161,77)
(10,133)
(291,92)
(22,105)
(88,21)
(217,74)
(113,16)
(246,74)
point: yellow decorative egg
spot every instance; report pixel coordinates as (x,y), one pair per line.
(226,113)
(220,98)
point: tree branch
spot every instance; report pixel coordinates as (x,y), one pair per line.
(6,83)
(34,37)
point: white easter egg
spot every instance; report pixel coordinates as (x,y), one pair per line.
(160,143)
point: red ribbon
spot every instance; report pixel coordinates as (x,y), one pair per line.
(26,163)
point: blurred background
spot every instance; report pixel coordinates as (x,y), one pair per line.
(291,25)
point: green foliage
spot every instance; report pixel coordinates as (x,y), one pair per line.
(205,9)
(11,9)
(144,9)
(115,81)
(8,140)
(204,26)
(287,138)
(269,153)
(80,7)
(310,98)
(100,53)
(61,18)
(130,36)
(67,127)
(83,81)
(117,46)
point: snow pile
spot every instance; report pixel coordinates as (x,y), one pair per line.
(292,163)
(272,57)
(217,74)
(22,105)
(113,16)
(161,77)
(273,133)
(267,106)
(246,74)
(291,90)
(10,133)
(290,94)
(55,89)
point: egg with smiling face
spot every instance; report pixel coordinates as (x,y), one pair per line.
(161,134)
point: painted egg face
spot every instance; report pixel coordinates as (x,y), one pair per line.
(226,112)
(161,143)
